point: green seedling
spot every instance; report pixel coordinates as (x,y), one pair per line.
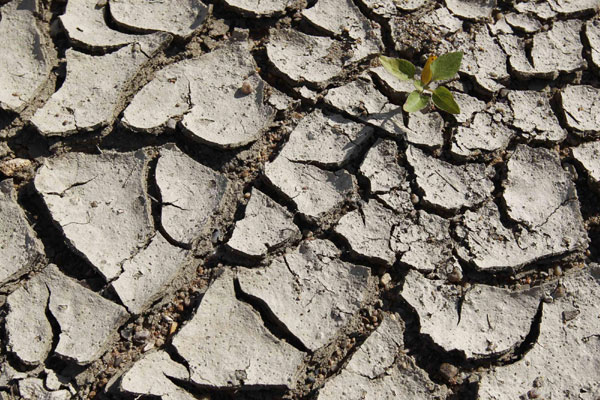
(436,69)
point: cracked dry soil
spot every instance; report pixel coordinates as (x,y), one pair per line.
(222,199)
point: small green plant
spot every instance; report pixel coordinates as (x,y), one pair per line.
(436,69)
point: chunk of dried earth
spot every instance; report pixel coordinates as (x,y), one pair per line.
(448,186)
(191,194)
(100,204)
(215,109)
(588,155)
(180,17)
(313,190)
(266,226)
(310,291)
(472,9)
(259,8)
(568,331)
(581,107)
(20,249)
(225,344)
(483,322)
(24,49)
(380,369)
(93,90)
(534,116)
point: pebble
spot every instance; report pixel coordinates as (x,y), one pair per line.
(449,372)
(141,336)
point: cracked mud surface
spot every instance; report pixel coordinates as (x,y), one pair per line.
(223,199)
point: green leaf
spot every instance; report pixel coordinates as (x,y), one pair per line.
(446,66)
(400,68)
(444,100)
(419,85)
(415,102)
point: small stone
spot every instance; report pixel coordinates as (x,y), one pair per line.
(449,372)
(385,279)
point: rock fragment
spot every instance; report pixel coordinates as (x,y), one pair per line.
(472,9)
(369,231)
(560,48)
(343,17)
(581,107)
(534,116)
(150,376)
(191,193)
(92,92)
(259,8)
(100,204)
(313,190)
(147,273)
(588,155)
(86,27)
(447,186)
(380,370)
(361,99)
(310,291)
(491,320)
(575,339)
(20,249)
(226,344)
(209,97)
(86,320)
(24,49)
(302,58)
(266,226)
(179,17)
(325,139)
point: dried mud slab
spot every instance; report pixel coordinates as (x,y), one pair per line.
(343,17)
(380,369)
(520,62)
(225,344)
(266,226)
(91,94)
(86,27)
(472,9)
(581,107)
(442,20)
(588,155)
(560,48)
(329,140)
(310,291)
(592,34)
(25,55)
(259,8)
(215,108)
(100,204)
(391,8)
(568,332)
(534,116)
(191,193)
(146,274)
(20,249)
(302,58)
(313,190)
(482,135)
(179,17)
(85,319)
(152,376)
(569,7)
(34,389)
(361,99)
(425,129)
(448,186)
(368,230)
(387,178)
(485,321)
